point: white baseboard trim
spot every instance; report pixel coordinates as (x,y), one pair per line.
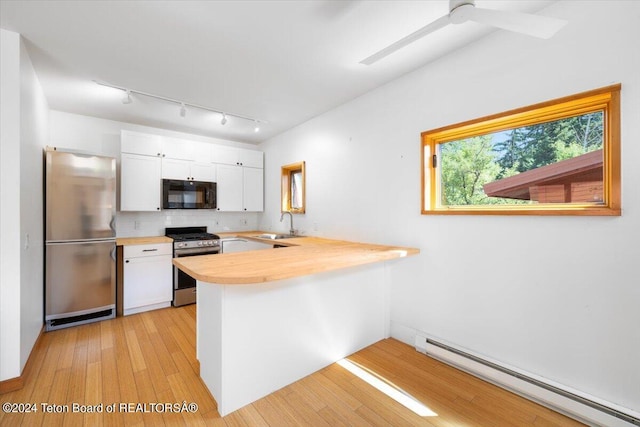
(136,310)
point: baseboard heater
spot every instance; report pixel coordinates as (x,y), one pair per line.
(66,322)
(565,401)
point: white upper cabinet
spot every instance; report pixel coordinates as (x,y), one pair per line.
(140,188)
(201,171)
(176,169)
(201,151)
(225,155)
(240,189)
(252,189)
(251,158)
(229,188)
(174,148)
(181,149)
(148,159)
(240,179)
(188,170)
(237,156)
(187,160)
(140,143)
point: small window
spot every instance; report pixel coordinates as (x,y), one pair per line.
(560,157)
(293,188)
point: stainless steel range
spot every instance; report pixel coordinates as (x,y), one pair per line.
(189,241)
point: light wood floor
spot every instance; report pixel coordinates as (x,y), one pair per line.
(150,358)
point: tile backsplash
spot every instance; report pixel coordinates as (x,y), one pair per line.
(139,224)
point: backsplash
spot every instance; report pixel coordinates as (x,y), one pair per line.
(139,224)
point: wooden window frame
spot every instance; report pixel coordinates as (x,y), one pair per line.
(606,99)
(285,195)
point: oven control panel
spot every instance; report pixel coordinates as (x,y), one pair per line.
(196,244)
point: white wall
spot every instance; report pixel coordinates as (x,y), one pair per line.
(9,205)
(24,131)
(34,133)
(102,136)
(555,296)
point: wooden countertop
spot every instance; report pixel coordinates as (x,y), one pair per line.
(150,240)
(303,256)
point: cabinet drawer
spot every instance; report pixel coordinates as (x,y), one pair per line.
(156,249)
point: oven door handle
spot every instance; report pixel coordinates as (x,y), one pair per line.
(211,250)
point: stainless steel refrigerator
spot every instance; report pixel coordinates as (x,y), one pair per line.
(80,238)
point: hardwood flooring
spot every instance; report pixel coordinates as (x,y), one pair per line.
(149,358)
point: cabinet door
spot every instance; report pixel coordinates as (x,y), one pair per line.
(229,188)
(224,154)
(176,169)
(140,183)
(251,158)
(147,281)
(174,148)
(140,143)
(241,245)
(203,171)
(253,192)
(201,152)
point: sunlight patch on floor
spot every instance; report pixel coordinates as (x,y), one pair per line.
(385,387)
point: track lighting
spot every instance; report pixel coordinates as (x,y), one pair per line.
(127,97)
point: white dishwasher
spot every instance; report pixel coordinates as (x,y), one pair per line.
(147,277)
(237,244)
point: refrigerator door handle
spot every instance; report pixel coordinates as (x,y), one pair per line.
(75,242)
(112,254)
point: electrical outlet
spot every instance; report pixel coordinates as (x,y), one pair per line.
(315,226)
(136,225)
(244,221)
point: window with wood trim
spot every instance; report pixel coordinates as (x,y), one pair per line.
(293,188)
(560,157)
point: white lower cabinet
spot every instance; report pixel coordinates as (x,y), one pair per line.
(241,245)
(147,277)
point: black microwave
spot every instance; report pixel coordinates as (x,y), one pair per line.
(179,194)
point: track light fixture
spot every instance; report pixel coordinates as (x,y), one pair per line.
(127,97)
(183,105)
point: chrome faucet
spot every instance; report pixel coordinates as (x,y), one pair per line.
(291,230)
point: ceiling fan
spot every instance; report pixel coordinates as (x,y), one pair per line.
(461,11)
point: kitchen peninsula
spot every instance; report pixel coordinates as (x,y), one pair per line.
(268,318)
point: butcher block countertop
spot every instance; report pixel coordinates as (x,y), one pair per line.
(127,241)
(301,256)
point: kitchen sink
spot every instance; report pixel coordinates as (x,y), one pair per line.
(275,236)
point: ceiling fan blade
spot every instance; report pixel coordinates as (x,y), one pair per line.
(543,27)
(434,26)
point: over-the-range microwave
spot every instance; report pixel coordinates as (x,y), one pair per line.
(182,194)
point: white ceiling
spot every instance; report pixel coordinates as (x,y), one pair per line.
(282,62)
